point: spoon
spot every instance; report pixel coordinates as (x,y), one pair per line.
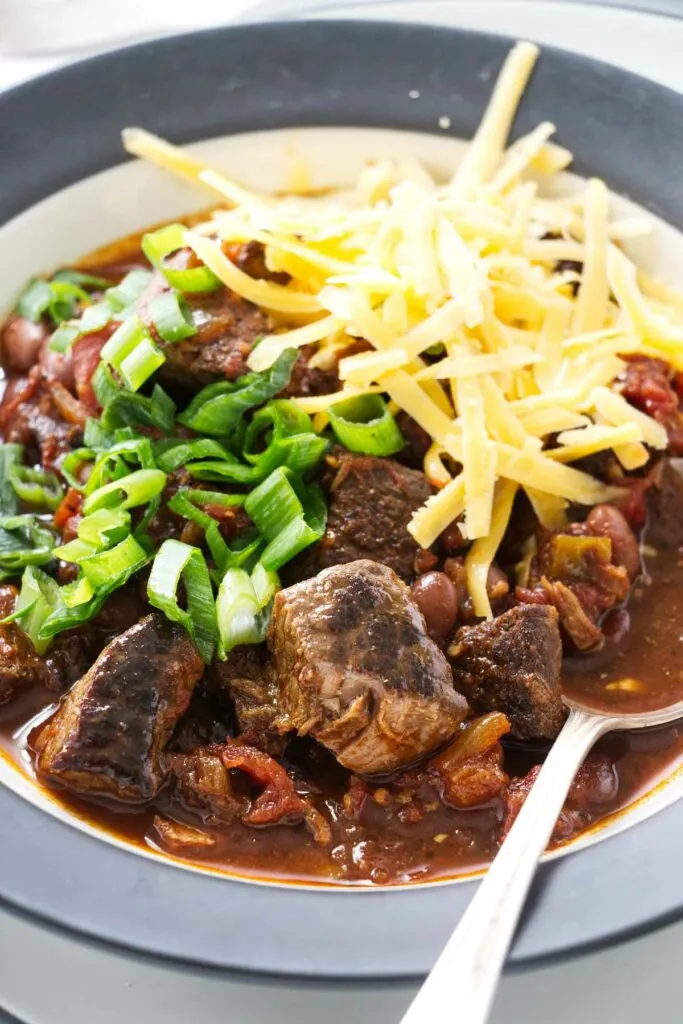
(467,971)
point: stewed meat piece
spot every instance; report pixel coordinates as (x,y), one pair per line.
(108,735)
(512,664)
(357,671)
(371,502)
(227,327)
(246,681)
(201,784)
(181,838)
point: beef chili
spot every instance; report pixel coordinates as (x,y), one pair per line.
(311,516)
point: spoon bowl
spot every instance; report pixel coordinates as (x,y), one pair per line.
(467,971)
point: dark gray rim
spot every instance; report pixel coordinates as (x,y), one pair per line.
(65,126)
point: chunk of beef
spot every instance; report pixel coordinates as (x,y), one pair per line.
(357,671)
(30,415)
(227,327)
(108,735)
(181,838)
(595,785)
(201,784)
(648,384)
(665,526)
(512,664)
(371,502)
(246,680)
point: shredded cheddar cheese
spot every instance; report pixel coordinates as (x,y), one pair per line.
(508,362)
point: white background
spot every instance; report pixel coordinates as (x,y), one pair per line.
(49,979)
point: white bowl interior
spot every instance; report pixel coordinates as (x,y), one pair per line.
(121,201)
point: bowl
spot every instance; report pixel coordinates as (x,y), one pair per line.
(336,93)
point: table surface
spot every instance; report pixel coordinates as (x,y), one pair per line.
(47,978)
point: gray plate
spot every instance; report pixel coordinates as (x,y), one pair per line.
(60,128)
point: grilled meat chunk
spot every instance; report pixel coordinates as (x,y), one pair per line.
(357,671)
(108,735)
(371,502)
(512,664)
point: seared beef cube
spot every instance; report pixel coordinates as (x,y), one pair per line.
(108,735)
(357,671)
(371,502)
(246,681)
(200,783)
(512,664)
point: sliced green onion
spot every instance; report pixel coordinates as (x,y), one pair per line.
(81,280)
(175,561)
(38,597)
(36,486)
(34,300)
(143,361)
(75,551)
(159,245)
(274,504)
(104,527)
(77,593)
(129,290)
(64,336)
(23,541)
(289,436)
(243,607)
(95,317)
(290,516)
(132,352)
(171,317)
(365,425)
(114,463)
(11,456)
(174,453)
(283,417)
(95,436)
(64,300)
(124,559)
(218,408)
(123,408)
(135,489)
(244,615)
(298,534)
(184,503)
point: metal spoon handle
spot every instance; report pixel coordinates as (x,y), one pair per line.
(465,977)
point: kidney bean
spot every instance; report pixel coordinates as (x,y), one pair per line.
(437,599)
(21,341)
(608,521)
